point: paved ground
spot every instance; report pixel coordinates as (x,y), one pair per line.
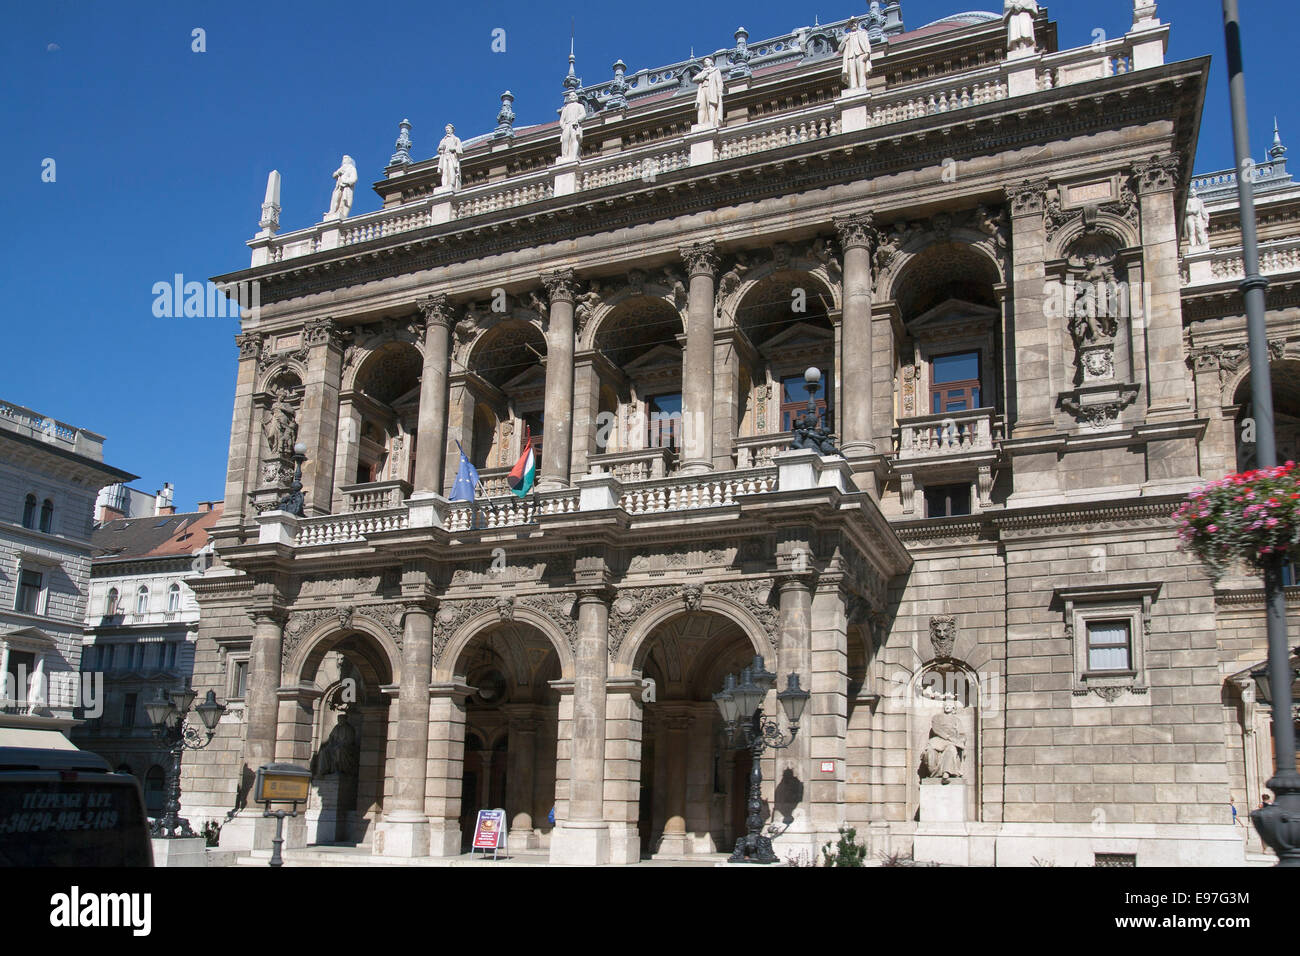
(361,856)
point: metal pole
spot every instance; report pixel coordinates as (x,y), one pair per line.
(1278,825)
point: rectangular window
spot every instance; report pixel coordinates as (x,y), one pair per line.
(946,501)
(171,654)
(534,422)
(665,421)
(1108,646)
(955,383)
(128,711)
(239,678)
(19,674)
(29,593)
(794,400)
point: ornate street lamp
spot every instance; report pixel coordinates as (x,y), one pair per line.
(810,426)
(295,500)
(168,715)
(1278,824)
(741,705)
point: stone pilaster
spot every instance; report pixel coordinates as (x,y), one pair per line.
(1156,182)
(675,725)
(318,416)
(405,828)
(582,837)
(826,720)
(623,722)
(1033,391)
(857,235)
(250,830)
(431,436)
(445,767)
(791,794)
(558,421)
(241,468)
(697,359)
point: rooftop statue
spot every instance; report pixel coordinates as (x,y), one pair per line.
(571,117)
(708,96)
(345,177)
(1019,15)
(1197,222)
(449,153)
(855,56)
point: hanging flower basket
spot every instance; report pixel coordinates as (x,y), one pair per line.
(1242,518)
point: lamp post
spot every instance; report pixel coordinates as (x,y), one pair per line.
(741,704)
(810,427)
(168,715)
(295,500)
(1278,824)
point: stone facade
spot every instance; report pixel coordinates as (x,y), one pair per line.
(989,567)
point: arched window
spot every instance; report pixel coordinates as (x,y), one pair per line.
(173,599)
(47,516)
(110,605)
(29,512)
(142,600)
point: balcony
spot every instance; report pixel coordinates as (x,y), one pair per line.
(760,451)
(375,496)
(953,435)
(640,464)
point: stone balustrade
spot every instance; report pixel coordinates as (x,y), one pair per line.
(487,514)
(641,464)
(340,529)
(1093,62)
(624,169)
(704,491)
(778,131)
(954,433)
(494,197)
(760,451)
(375,496)
(1225,265)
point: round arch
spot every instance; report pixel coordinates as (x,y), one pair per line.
(445,665)
(491,351)
(929,271)
(672,607)
(813,272)
(619,297)
(1113,227)
(385,657)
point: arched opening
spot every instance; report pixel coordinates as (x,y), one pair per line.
(1285,376)
(638,432)
(47,516)
(29,512)
(111,602)
(499,399)
(154,790)
(694,782)
(346,717)
(784,325)
(511,729)
(379,417)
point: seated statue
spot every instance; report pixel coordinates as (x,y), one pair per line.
(947,744)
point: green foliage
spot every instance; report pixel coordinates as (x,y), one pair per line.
(1245,517)
(847,852)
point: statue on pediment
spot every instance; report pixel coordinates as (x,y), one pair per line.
(345,177)
(449,153)
(1196,228)
(1019,15)
(708,95)
(571,117)
(855,56)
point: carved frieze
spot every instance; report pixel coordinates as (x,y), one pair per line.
(451,614)
(558,607)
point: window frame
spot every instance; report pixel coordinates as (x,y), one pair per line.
(29,512)
(1108,604)
(237,661)
(142,596)
(174,599)
(927,490)
(47,516)
(937,389)
(38,607)
(112,602)
(674,421)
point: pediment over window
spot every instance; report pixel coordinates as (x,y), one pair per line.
(953,317)
(655,359)
(533,377)
(798,337)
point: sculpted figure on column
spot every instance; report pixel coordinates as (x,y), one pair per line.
(1019,15)
(855,57)
(571,118)
(345,177)
(449,153)
(708,96)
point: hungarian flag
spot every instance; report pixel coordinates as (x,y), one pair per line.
(524,473)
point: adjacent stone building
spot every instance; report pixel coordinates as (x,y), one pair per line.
(50,474)
(980,249)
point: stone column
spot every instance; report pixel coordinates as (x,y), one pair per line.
(250,830)
(582,838)
(446,767)
(432,430)
(791,795)
(857,235)
(405,827)
(1034,391)
(241,467)
(318,419)
(676,723)
(826,721)
(520,773)
(697,360)
(347,446)
(557,422)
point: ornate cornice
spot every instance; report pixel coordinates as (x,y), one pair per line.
(701,258)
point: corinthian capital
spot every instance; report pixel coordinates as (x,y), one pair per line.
(561,285)
(1028,198)
(857,231)
(1159,174)
(701,258)
(250,344)
(435,309)
(322,332)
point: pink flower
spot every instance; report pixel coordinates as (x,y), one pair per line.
(1212,528)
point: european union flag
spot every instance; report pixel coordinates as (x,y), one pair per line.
(466,479)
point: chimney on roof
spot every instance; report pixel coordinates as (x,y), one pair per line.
(108,513)
(203,507)
(163,500)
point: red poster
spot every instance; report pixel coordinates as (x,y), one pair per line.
(488,828)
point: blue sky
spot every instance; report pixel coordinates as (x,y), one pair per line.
(161,156)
